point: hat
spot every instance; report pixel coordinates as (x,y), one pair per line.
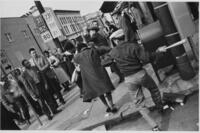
(117,34)
(92,27)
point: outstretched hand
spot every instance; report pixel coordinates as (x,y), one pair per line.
(162,49)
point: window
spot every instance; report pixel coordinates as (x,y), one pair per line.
(70,19)
(72,27)
(9,37)
(77,27)
(74,19)
(61,20)
(66,20)
(25,34)
(66,29)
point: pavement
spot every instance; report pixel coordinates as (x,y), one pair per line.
(183,118)
(77,115)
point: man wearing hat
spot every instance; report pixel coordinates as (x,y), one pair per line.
(124,21)
(101,41)
(96,37)
(129,57)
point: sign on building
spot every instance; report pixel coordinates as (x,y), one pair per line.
(43,30)
(51,23)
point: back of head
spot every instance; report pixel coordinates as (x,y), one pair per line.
(68,46)
(80,46)
(31,49)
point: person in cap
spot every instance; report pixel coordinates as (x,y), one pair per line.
(130,57)
(95,80)
(98,39)
(124,22)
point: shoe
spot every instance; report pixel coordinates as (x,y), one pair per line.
(108,110)
(57,111)
(50,117)
(156,128)
(114,110)
(121,80)
(62,102)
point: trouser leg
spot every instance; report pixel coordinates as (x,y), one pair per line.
(54,84)
(79,83)
(109,98)
(23,107)
(44,106)
(137,97)
(149,83)
(103,99)
(136,93)
(35,105)
(50,100)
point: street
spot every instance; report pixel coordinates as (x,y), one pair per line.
(171,121)
(99,65)
(72,116)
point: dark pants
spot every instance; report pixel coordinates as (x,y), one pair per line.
(35,105)
(45,96)
(7,119)
(55,88)
(22,108)
(79,83)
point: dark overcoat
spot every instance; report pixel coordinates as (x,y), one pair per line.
(96,81)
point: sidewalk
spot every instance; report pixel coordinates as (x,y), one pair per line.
(74,117)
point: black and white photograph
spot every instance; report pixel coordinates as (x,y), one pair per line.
(97,65)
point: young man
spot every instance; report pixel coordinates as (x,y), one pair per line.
(129,57)
(44,67)
(36,86)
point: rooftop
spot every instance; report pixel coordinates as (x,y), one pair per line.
(66,11)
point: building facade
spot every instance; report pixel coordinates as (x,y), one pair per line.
(71,23)
(16,40)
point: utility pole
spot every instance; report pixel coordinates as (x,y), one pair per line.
(41,10)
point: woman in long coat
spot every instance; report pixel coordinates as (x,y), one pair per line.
(96,81)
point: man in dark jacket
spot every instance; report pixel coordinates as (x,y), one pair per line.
(129,57)
(101,41)
(96,82)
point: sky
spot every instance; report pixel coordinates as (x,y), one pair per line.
(16,8)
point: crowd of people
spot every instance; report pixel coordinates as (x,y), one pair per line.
(44,76)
